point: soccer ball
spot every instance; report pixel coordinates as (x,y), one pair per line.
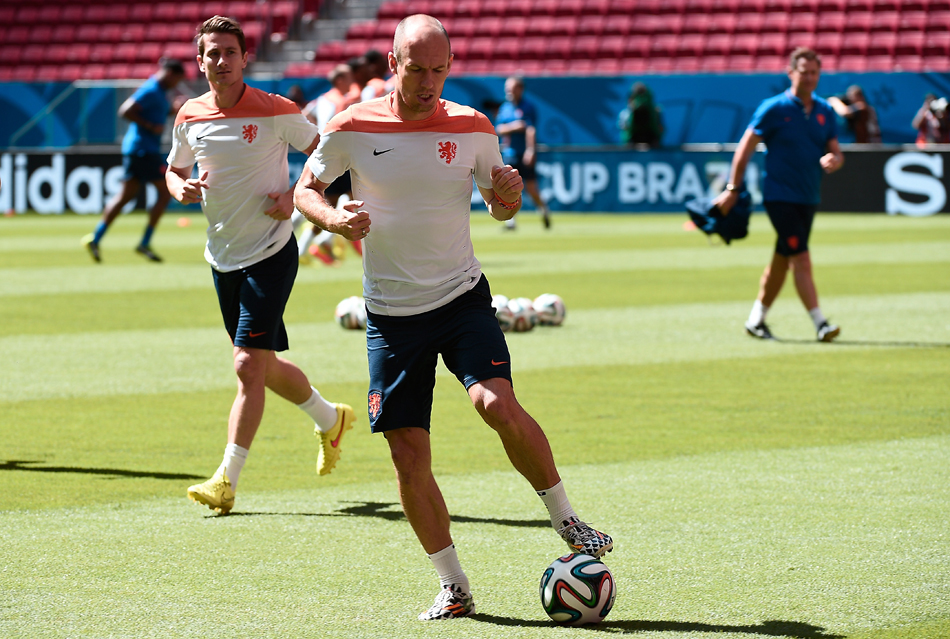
(506,319)
(577,589)
(351,313)
(550,309)
(525,317)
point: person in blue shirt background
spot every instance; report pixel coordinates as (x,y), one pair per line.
(142,160)
(515,124)
(801,140)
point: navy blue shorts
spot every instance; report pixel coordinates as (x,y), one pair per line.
(147,167)
(252,299)
(403,352)
(792,222)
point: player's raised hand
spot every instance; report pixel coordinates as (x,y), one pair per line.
(506,182)
(351,222)
(283,206)
(191,189)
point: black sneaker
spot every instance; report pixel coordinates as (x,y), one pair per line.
(760,330)
(827,332)
(147,252)
(92,247)
(546,219)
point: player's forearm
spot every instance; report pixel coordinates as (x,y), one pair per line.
(313,205)
(501,210)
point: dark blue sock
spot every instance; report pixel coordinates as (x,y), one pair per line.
(100,231)
(147,236)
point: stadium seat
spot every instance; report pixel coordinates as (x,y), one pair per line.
(636,46)
(72,14)
(79,53)
(909,43)
(532,48)
(936,44)
(506,49)
(49,14)
(618,25)
(827,43)
(515,27)
(717,45)
(393,10)
(770,63)
(909,63)
(912,21)
(690,46)
(611,47)
(17,35)
(882,44)
(57,53)
(361,31)
(134,33)
(832,21)
(141,13)
(772,44)
(855,43)
(583,47)
(749,23)
(938,20)
(64,34)
(854,63)
(165,12)
(802,22)
(10,55)
(664,46)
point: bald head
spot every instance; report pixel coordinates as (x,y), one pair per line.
(417,28)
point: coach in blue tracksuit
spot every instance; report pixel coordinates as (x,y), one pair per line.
(801,142)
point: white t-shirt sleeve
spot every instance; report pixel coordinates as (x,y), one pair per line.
(487,155)
(331,158)
(181,156)
(296,130)
(326,109)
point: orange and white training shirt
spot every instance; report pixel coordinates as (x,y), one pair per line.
(244,150)
(415,178)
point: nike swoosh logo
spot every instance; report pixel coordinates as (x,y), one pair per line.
(336,442)
(250,334)
(494,363)
(375,152)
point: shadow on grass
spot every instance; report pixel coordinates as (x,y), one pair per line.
(794,629)
(383,510)
(15,464)
(856,342)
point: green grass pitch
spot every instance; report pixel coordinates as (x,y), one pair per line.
(754,489)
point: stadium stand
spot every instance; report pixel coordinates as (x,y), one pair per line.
(667,36)
(99,39)
(103,39)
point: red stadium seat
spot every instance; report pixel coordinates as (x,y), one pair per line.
(58,53)
(855,43)
(832,21)
(806,22)
(49,14)
(361,31)
(854,63)
(744,44)
(10,55)
(718,44)
(27,15)
(481,49)
(79,53)
(909,63)
(618,25)
(101,53)
(125,52)
(859,21)
(140,13)
(24,73)
(134,32)
(687,64)
(742,63)
(936,44)
(938,20)
(749,22)
(611,47)
(17,35)
(664,46)
(909,44)
(770,63)
(796,40)
(637,46)
(70,72)
(119,71)
(591,24)
(885,21)
(912,21)
(515,27)
(165,12)
(595,7)
(721,23)
(583,47)
(880,63)
(149,52)
(882,44)
(488,27)
(94,72)
(827,44)
(393,10)
(506,49)
(533,48)
(772,44)
(33,54)
(690,46)
(64,34)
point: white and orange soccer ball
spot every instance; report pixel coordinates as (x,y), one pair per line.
(351,313)
(506,319)
(550,309)
(525,316)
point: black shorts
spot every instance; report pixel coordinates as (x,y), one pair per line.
(340,185)
(403,353)
(252,299)
(793,223)
(526,171)
(145,167)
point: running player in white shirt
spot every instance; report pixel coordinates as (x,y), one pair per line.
(412,157)
(239,138)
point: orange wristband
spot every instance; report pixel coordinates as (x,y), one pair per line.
(508,206)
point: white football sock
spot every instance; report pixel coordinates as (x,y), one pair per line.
(306,239)
(817,317)
(320,410)
(446,563)
(297,219)
(757,316)
(234,458)
(558,505)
